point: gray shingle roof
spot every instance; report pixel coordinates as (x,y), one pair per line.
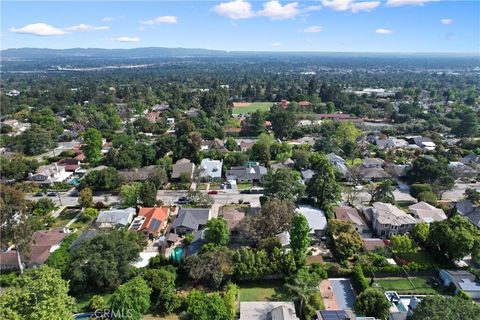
(191,218)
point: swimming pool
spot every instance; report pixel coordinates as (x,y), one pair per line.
(73,181)
(177,254)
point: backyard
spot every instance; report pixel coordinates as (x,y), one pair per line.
(418,285)
(250,107)
(264,291)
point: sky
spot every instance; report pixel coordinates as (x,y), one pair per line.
(245,25)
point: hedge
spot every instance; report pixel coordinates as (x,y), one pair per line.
(360,283)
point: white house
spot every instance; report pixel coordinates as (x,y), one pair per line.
(210,170)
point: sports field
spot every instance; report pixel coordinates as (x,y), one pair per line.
(250,107)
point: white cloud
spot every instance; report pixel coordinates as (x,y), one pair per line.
(337,5)
(398,3)
(125,39)
(312,8)
(383,31)
(39,29)
(236,9)
(313,29)
(161,20)
(276,44)
(364,6)
(275,11)
(85,28)
(108,19)
(345,5)
(446,21)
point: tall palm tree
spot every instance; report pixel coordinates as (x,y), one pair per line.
(302,285)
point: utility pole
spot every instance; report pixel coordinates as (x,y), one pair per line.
(16,218)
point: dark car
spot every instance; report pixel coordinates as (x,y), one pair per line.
(52,194)
(39,194)
(183,200)
(212,192)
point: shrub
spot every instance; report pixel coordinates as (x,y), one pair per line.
(230,298)
(97,302)
(417,188)
(360,283)
(427,196)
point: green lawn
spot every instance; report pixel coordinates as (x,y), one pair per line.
(83,301)
(202,186)
(419,257)
(65,217)
(404,285)
(243,186)
(252,107)
(215,185)
(264,291)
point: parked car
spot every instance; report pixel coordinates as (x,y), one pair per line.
(74,193)
(213,192)
(52,194)
(39,194)
(184,200)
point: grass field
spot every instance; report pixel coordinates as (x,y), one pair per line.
(250,107)
(404,285)
(262,291)
(243,186)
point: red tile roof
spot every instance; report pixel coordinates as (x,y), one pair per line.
(151,214)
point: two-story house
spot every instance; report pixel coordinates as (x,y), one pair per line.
(388,220)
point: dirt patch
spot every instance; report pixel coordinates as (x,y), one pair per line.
(241,104)
(329,300)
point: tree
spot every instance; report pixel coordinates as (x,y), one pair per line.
(372,303)
(148,194)
(472,195)
(420,232)
(132,299)
(468,125)
(453,238)
(97,302)
(162,281)
(89,214)
(276,216)
(439,307)
(16,226)
(261,149)
(300,238)
(303,284)
(129,193)
(282,120)
(85,198)
(38,294)
(210,267)
(323,186)
(346,241)
(231,144)
(301,158)
(92,145)
(284,184)
(104,262)
(401,244)
(34,141)
(101,180)
(202,306)
(346,132)
(359,281)
(426,170)
(383,192)
(217,232)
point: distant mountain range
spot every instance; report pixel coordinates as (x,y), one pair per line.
(159,52)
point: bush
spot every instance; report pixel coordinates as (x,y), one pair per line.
(417,188)
(360,283)
(6,279)
(230,298)
(97,302)
(88,214)
(428,196)
(319,270)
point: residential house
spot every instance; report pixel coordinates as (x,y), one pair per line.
(335,315)
(472,160)
(140,174)
(351,214)
(70,164)
(245,174)
(151,221)
(304,104)
(462,171)
(183,166)
(373,163)
(373,244)
(391,143)
(462,280)
(246,144)
(118,218)
(316,219)
(388,220)
(339,163)
(371,174)
(190,220)
(401,307)
(50,174)
(467,209)
(215,144)
(43,244)
(422,142)
(427,213)
(210,170)
(267,310)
